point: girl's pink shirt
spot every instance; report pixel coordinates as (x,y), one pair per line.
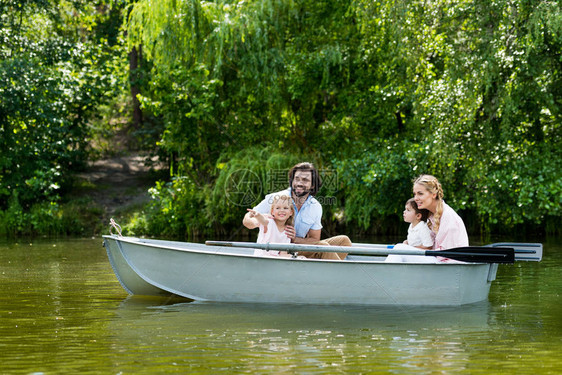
(452,232)
(273,234)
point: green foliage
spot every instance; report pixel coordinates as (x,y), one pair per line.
(379,91)
(184,207)
(39,138)
(57,62)
(467,91)
(382,91)
(495,146)
(378,183)
(76,218)
(247,73)
(174,212)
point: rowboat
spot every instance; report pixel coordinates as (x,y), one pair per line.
(230,272)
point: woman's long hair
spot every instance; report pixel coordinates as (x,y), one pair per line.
(431,184)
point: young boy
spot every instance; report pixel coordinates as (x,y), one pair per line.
(419,235)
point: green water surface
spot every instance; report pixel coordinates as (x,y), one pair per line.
(63,311)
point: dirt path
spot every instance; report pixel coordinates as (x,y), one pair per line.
(120,183)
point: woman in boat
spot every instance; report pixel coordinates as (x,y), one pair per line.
(272,229)
(446,225)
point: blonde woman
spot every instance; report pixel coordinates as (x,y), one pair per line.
(446,225)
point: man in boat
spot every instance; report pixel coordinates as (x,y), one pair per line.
(304,183)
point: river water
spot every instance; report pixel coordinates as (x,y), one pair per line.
(63,311)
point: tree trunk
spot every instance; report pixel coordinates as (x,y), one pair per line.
(135,61)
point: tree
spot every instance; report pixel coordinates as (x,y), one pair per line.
(382,90)
(56,67)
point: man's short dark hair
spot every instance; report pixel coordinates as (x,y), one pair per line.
(306,166)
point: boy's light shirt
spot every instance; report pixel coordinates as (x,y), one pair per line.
(420,235)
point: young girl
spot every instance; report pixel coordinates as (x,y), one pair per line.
(419,235)
(272,230)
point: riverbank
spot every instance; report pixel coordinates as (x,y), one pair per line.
(119,185)
(112,187)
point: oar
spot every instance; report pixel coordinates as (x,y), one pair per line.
(523,251)
(465,254)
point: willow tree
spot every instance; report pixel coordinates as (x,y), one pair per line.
(232,75)
(237,73)
(382,90)
(215,72)
(478,84)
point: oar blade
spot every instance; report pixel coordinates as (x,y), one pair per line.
(478,254)
(523,251)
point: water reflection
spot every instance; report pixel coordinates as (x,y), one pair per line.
(311,336)
(288,316)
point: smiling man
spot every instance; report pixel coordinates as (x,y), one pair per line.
(304,182)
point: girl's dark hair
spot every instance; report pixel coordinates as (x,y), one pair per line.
(424,213)
(306,166)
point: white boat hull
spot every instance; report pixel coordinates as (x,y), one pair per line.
(203,273)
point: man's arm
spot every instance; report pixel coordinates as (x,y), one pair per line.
(312,237)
